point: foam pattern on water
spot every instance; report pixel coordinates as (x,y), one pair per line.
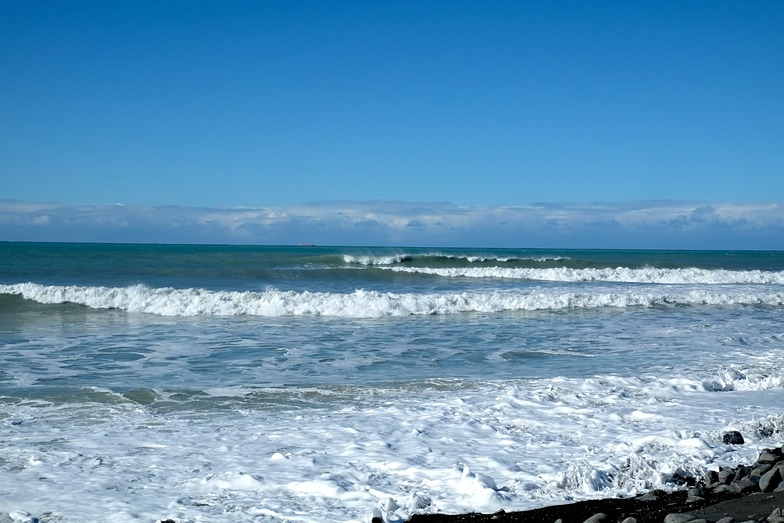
(619,274)
(455,447)
(281,384)
(374,304)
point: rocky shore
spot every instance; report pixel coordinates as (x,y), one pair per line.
(744,494)
(733,495)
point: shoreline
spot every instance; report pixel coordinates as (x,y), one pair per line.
(668,508)
(752,493)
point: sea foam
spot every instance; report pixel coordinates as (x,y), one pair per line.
(374,304)
(388,260)
(497,445)
(619,274)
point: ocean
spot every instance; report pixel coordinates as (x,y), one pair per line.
(212,383)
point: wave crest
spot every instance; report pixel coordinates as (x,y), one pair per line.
(619,274)
(393,259)
(362,303)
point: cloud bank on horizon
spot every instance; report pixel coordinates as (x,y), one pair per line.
(647,225)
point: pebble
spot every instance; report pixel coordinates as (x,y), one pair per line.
(695,494)
(596,518)
(776,516)
(765,475)
(770,480)
(677,518)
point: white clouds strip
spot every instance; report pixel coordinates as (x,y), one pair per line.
(668,224)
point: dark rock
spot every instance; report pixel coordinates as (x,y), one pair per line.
(680,478)
(677,518)
(768,457)
(648,496)
(759,471)
(742,472)
(733,437)
(596,518)
(652,507)
(726,476)
(695,494)
(745,486)
(711,477)
(617,510)
(723,489)
(778,451)
(770,480)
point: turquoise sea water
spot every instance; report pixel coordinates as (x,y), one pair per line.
(326,383)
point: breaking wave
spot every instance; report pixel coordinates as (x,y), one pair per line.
(619,274)
(370,304)
(394,259)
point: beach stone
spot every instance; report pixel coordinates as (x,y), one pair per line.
(629,520)
(760,471)
(711,477)
(652,495)
(695,494)
(745,486)
(678,518)
(596,518)
(770,480)
(728,519)
(742,472)
(726,476)
(768,457)
(733,437)
(776,516)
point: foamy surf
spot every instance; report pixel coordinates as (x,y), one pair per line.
(277,384)
(484,447)
(373,304)
(387,260)
(620,275)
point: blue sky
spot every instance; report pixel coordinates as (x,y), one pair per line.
(176,107)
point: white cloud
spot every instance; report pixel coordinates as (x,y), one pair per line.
(668,224)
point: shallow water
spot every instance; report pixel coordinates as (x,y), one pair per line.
(217,383)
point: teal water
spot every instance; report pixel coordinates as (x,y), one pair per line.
(225,346)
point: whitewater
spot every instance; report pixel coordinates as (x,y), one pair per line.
(335,384)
